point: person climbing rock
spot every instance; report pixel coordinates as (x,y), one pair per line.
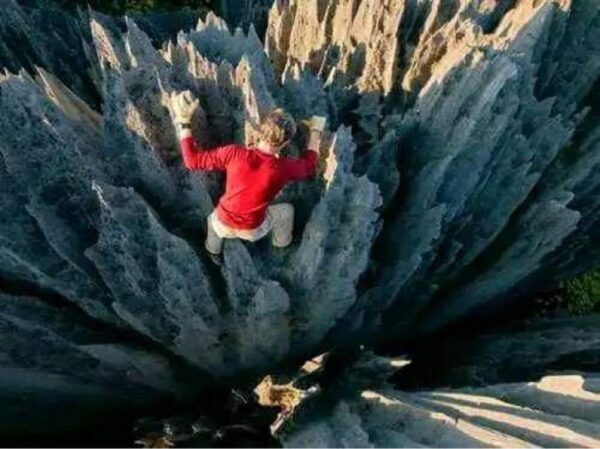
(254,176)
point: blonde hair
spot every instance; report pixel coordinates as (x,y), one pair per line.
(277,128)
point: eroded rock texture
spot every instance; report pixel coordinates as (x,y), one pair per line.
(60,40)
(496,140)
(557,411)
(521,352)
(59,371)
(553,401)
(460,172)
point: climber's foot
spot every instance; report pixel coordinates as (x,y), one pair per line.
(281,250)
(217,259)
(279,255)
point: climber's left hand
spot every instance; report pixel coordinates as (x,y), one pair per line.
(184,106)
(317,123)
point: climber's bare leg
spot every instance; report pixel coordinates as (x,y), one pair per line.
(213,243)
(281,217)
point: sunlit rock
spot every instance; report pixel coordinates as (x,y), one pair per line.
(541,410)
(460,172)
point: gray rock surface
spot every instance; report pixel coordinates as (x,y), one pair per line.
(41,34)
(54,356)
(558,410)
(490,200)
(460,172)
(52,39)
(520,352)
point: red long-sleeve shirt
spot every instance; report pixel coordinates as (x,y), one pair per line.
(254,178)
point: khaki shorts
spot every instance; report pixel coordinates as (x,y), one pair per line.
(279,221)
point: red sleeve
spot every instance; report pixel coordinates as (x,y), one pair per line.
(301,168)
(213,159)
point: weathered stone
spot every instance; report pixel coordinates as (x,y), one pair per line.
(558,410)
(54,355)
(463,173)
(521,352)
(175,304)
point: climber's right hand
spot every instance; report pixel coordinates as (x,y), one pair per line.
(317,123)
(184,106)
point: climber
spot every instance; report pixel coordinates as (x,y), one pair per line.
(254,176)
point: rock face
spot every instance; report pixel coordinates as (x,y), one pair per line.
(460,172)
(528,350)
(61,42)
(553,404)
(495,151)
(50,39)
(557,411)
(55,355)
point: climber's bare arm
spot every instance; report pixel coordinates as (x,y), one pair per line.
(316,126)
(306,166)
(184,131)
(314,141)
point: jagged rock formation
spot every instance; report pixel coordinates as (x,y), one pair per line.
(498,159)
(539,397)
(115,213)
(51,39)
(461,172)
(61,42)
(559,410)
(521,352)
(52,355)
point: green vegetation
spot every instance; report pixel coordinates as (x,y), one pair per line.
(582,294)
(577,296)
